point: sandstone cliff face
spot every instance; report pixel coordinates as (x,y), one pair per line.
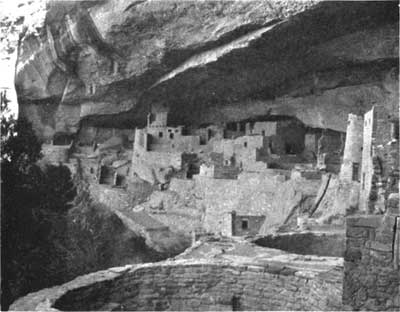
(107,63)
(16,18)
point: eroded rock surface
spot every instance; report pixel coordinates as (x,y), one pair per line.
(108,62)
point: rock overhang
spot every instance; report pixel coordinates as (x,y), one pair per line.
(232,59)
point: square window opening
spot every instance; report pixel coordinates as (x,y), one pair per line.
(363,181)
(356,167)
(245,224)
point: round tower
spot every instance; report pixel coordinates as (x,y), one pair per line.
(352,155)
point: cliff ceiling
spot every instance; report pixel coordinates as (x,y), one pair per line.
(106,63)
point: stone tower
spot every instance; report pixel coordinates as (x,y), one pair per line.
(352,155)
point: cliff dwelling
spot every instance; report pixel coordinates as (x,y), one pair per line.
(211,156)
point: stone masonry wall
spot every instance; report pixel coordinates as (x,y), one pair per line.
(372,276)
(384,153)
(246,151)
(353,149)
(265,128)
(176,207)
(379,155)
(242,147)
(225,172)
(56,153)
(164,160)
(177,144)
(254,224)
(367,166)
(193,285)
(251,194)
(144,163)
(207,171)
(161,135)
(310,142)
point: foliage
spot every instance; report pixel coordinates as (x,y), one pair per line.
(34,202)
(7,119)
(19,145)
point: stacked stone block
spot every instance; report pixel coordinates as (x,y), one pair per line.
(371,276)
(194,285)
(380,161)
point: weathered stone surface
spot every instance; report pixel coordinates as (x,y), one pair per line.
(356,232)
(107,62)
(372,277)
(352,255)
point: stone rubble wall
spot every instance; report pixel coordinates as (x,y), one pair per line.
(193,285)
(109,196)
(371,274)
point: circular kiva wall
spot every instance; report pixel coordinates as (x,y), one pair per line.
(194,285)
(320,244)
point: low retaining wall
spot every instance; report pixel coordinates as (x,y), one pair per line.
(320,244)
(193,285)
